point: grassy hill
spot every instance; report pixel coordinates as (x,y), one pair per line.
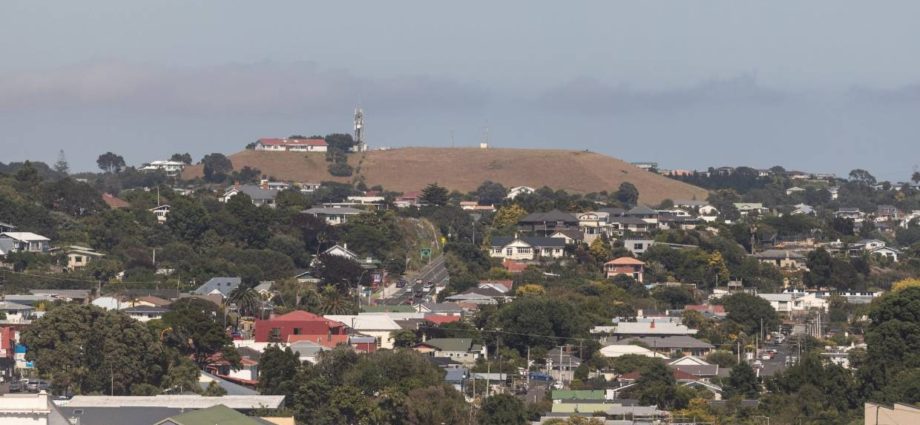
(463,169)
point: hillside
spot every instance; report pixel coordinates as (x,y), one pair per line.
(463,169)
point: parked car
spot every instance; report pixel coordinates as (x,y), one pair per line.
(15,386)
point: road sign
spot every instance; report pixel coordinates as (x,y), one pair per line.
(426,252)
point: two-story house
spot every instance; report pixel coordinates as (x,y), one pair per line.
(527,248)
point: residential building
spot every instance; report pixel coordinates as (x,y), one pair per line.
(291,145)
(114,202)
(30,409)
(795,303)
(527,248)
(630,224)
(309,187)
(519,190)
(379,326)
(296,323)
(161,212)
(461,350)
(625,266)
(593,224)
(222,286)
(782,258)
(260,195)
(143,313)
(622,329)
(23,242)
(671,345)
(408,199)
(851,213)
(745,208)
(480,296)
(638,246)
(547,223)
(616,350)
(171,168)
(15,312)
(79,256)
(218,414)
(802,209)
(6,227)
(644,213)
(333,216)
(886,252)
(897,414)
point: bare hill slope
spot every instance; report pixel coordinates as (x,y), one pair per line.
(463,169)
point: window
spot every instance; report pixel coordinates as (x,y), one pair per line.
(78,259)
(296,331)
(509,251)
(638,246)
(523,250)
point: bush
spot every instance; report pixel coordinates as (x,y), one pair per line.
(340,169)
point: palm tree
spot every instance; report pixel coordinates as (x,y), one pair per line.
(246,299)
(333,302)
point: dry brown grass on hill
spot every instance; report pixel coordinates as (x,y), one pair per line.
(464,169)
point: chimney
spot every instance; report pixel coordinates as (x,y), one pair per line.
(263,183)
(345,246)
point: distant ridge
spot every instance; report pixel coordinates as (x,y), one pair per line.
(464,169)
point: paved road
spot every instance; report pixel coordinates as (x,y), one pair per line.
(435,272)
(778,362)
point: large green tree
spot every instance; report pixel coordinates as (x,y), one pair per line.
(893,339)
(502,409)
(110,162)
(216,167)
(742,382)
(750,312)
(195,329)
(86,349)
(434,195)
(278,370)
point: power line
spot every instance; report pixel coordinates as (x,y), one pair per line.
(69,279)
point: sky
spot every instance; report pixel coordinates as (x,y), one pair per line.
(821,86)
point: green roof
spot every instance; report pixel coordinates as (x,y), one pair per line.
(580,407)
(388,309)
(450,344)
(219,414)
(578,395)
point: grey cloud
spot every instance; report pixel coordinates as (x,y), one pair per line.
(899,95)
(263,88)
(589,95)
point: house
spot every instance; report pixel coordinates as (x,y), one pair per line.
(644,213)
(896,414)
(625,266)
(379,326)
(547,222)
(171,168)
(15,312)
(222,286)
(653,327)
(709,310)
(480,296)
(794,190)
(333,216)
(795,303)
(260,195)
(571,237)
(621,225)
(161,212)
(851,213)
(143,313)
(218,414)
(519,190)
(527,248)
(291,145)
(802,209)
(282,328)
(696,367)
(79,256)
(670,220)
(616,350)
(503,286)
(887,212)
(671,345)
(886,252)
(6,227)
(593,224)
(857,248)
(562,359)
(343,251)
(745,208)
(638,246)
(23,242)
(33,409)
(458,349)
(79,296)
(474,206)
(309,187)
(408,199)
(151,301)
(782,258)
(114,202)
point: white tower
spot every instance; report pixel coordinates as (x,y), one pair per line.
(360,144)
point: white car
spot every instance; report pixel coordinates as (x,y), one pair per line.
(758,364)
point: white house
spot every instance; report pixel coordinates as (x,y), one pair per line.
(79,256)
(23,242)
(171,168)
(30,409)
(333,216)
(795,302)
(379,326)
(527,248)
(15,312)
(260,195)
(746,208)
(519,190)
(291,145)
(161,212)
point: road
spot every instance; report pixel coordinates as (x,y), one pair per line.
(778,362)
(435,272)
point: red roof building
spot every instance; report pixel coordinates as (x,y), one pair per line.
(626,266)
(281,328)
(514,266)
(114,202)
(440,319)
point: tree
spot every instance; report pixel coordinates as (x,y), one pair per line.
(915,177)
(600,249)
(87,349)
(530,289)
(502,409)
(750,312)
(742,382)
(194,330)
(862,176)
(404,338)
(278,370)
(434,195)
(184,158)
(436,405)
(627,194)
(216,167)
(656,385)
(61,165)
(508,215)
(110,162)
(893,340)
(246,299)
(539,315)
(491,193)
(340,272)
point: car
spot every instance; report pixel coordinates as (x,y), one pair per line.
(16,386)
(418,281)
(766,356)
(32,385)
(758,364)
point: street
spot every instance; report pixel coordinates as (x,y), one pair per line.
(435,272)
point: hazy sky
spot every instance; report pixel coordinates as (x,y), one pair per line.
(819,85)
